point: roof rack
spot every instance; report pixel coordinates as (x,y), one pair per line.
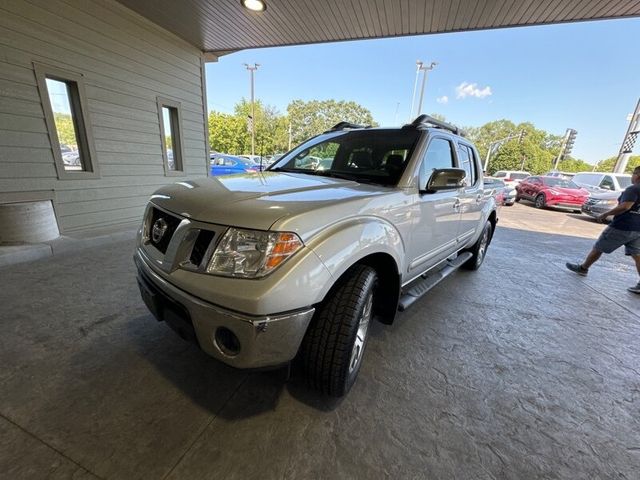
(344,126)
(428,121)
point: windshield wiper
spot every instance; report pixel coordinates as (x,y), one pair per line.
(282,169)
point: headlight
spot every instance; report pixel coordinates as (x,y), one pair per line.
(554,192)
(607,202)
(252,253)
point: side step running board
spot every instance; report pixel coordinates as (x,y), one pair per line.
(430,280)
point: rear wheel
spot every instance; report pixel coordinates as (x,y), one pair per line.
(539,202)
(333,347)
(479,249)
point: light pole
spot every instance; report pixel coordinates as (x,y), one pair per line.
(419,65)
(424,82)
(252,69)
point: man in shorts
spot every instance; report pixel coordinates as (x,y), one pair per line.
(623,230)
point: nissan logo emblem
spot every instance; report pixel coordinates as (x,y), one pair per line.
(158,230)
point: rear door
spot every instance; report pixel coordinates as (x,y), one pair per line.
(436,228)
(472,196)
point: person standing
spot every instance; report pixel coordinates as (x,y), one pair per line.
(623,230)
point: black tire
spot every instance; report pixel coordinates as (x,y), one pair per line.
(333,337)
(509,204)
(540,201)
(518,199)
(479,249)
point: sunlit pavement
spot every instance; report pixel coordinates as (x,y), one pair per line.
(520,370)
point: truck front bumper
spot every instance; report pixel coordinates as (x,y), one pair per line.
(237,339)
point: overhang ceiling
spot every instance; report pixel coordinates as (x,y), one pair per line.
(220,26)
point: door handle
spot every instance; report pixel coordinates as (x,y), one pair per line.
(456,204)
(478,198)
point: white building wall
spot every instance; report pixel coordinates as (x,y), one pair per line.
(127,62)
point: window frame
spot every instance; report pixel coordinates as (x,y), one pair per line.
(177,133)
(473,164)
(454,158)
(80,115)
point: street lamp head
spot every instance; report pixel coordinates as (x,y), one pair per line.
(419,63)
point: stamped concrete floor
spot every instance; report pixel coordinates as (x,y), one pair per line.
(520,370)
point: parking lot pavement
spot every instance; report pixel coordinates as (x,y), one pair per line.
(520,370)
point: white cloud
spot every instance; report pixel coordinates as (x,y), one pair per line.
(443,99)
(466,89)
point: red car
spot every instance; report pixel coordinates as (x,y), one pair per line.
(552,192)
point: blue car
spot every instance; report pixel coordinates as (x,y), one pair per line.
(228,164)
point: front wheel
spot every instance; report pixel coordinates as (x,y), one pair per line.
(479,249)
(332,349)
(539,202)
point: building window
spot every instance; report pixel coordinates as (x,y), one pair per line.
(64,105)
(171,133)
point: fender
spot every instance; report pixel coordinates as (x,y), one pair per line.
(345,243)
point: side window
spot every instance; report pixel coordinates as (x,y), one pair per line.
(170,114)
(228,162)
(607,182)
(468,163)
(64,105)
(439,155)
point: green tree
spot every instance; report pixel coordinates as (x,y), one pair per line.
(609,164)
(228,133)
(314,117)
(65,129)
(574,165)
(534,152)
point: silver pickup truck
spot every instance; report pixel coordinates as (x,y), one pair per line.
(293,263)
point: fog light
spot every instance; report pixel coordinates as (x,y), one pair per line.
(227,341)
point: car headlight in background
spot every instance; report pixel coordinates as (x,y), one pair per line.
(554,192)
(252,253)
(607,202)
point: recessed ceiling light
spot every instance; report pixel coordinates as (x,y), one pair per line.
(254,5)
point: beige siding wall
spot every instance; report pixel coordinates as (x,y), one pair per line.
(126,62)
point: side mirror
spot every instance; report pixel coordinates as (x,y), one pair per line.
(446,179)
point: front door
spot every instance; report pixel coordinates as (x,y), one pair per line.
(434,231)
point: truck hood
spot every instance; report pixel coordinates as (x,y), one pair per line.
(258,200)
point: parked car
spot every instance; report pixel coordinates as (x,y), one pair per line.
(599,203)
(257,160)
(293,263)
(511,178)
(556,173)
(221,164)
(552,192)
(602,181)
(497,188)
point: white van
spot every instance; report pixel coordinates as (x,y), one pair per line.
(602,181)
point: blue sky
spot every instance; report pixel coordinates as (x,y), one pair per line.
(581,75)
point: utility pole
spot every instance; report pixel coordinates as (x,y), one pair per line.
(252,69)
(289,136)
(424,82)
(419,64)
(629,141)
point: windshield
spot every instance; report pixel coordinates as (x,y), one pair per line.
(559,182)
(368,156)
(624,181)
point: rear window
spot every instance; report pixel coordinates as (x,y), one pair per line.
(519,176)
(559,182)
(368,156)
